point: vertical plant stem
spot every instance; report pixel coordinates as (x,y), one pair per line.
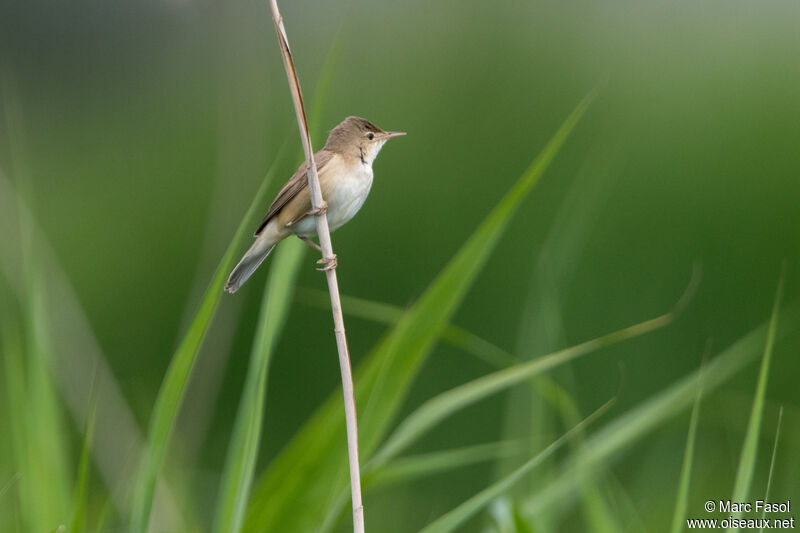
(333,286)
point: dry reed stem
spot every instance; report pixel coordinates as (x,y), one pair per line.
(333,286)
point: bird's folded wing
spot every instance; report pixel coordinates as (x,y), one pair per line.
(293,187)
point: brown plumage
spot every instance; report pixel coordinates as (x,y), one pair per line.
(344,167)
(296,189)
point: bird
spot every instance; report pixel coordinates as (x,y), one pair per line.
(344,166)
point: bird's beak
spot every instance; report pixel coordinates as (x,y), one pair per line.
(390,134)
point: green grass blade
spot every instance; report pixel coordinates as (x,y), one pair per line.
(458,337)
(47,456)
(242,454)
(621,433)
(747,460)
(77,356)
(598,515)
(240,464)
(173,387)
(445,404)
(501,516)
(681,503)
(384,313)
(243,449)
(412,468)
(84,466)
(415,467)
(40,458)
(772,461)
(455,518)
(520,524)
(14,401)
(282,499)
(103,515)
(542,329)
(30,401)
(558,398)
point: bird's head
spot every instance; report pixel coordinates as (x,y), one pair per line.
(359,137)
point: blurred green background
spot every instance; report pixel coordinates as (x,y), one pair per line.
(138,133)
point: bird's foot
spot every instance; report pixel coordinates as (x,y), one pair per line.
(328,263)
(310,243)
(321,210)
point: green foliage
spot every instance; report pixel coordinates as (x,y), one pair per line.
(280,502)
(682,498)
(125,162)
(168,401)
(455,518)
(747,460)
(243,449)
(39,459)
(439,408)
(384,313)
(415,467)
(626,429)
(772,461)
(84,466)
(237,478)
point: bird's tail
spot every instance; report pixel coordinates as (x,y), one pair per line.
(249,263)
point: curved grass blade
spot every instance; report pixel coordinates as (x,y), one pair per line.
(455,518)
(622,432)
(747,461)
(679,516)
(520,524)
(77,357)
(381,312)
(38,457)
(14,401)
(243,449)
(32,401)
(285,500)
(384,313)
(440,407)
(173,387)
(237,478)
(411,468)
(82,484)
(542,330)
(772,461)
(45,470)
(456,336)
(418,466)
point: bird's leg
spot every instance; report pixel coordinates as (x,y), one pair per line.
(321,210)
(310,243)
(328,263)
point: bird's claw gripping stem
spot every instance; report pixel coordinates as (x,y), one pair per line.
(321,210)
(328,263)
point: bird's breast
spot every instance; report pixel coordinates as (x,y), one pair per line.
(346,193)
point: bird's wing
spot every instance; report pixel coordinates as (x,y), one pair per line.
(297,183)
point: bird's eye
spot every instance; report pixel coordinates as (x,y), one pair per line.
(370,136)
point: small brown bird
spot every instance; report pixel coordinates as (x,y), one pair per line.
(344,166)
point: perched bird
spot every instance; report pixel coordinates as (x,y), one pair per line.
(344,166)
